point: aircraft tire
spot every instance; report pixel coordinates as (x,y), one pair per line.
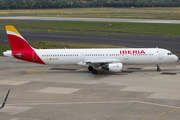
(90,68)
(94,71)
(158,69)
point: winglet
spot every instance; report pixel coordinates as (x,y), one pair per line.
(4,102)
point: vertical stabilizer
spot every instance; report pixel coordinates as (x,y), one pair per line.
(17,42)
(20,48)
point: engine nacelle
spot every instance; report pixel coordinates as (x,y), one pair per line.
(114,67)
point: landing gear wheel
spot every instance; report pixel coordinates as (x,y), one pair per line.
(94,71)
(158,69)
(90,68)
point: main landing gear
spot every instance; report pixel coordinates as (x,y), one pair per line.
(90,68)
(158,69)
(94,71)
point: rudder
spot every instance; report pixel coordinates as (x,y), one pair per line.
(17,42)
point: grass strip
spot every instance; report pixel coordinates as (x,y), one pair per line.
(118,27)
(3,48)
(71,31)
(139,12)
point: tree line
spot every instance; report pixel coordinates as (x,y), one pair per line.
(39,4)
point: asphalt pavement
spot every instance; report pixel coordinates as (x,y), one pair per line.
(144,41)
(71,92)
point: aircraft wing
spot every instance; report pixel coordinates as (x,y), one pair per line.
(103,61)
(100,61)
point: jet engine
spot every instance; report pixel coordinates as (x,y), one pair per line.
(113,67)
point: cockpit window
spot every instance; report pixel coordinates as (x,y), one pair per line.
(169,53)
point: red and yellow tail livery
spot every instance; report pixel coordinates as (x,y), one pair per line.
(20,49)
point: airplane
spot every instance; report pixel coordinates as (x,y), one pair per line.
(108,59)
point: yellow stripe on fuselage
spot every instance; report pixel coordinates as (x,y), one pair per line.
(12,29)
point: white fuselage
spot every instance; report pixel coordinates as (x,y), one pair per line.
(124,56)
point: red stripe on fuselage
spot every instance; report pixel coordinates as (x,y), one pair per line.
(22,50)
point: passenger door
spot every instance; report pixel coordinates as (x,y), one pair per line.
(160,55)
(82,57)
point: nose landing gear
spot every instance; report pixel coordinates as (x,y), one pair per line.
(158,68)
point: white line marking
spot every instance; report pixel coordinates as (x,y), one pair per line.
(102,102)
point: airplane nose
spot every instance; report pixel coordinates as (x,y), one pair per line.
(175,58)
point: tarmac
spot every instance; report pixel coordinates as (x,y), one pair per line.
(71,92)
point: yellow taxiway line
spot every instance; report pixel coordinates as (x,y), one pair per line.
(36,71)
